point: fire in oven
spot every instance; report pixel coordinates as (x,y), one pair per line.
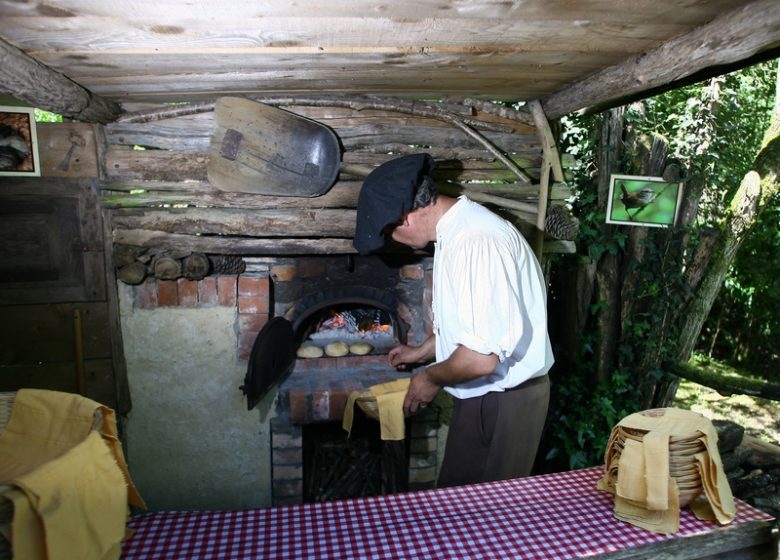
(357,321)
(346,330)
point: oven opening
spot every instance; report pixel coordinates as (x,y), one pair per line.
(363,320)
(352,326)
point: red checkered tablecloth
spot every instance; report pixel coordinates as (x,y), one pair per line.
(554,516)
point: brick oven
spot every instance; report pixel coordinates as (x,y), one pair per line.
(311,399)
(306,290)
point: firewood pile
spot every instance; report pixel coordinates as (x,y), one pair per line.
(751,465)
(134,264)
(362,465)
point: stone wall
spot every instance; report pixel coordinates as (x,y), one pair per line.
(752,467)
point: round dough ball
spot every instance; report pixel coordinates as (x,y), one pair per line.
(309,351)
(336,349)
(360,348)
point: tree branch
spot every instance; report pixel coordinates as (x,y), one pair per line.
(27,80)
(724,384)
(733,36)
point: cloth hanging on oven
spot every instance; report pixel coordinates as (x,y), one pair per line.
(383,402)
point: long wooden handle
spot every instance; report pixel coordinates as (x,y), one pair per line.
(78,352)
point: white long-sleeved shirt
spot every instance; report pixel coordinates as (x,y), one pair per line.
(489,295)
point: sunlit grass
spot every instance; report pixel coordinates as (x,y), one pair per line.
(760,417)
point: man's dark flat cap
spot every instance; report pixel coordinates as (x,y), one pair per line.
(387,193)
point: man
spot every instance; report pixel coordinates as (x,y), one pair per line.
(490,342)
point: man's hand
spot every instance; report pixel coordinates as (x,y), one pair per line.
(462,366)
(404,355)
(422,390)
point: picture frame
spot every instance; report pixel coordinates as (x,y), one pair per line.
(636,200)
(18,142)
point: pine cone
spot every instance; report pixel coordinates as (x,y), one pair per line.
(227,264)
(560,224)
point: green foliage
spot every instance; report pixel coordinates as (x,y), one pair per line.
(579,137)
(584,417)
(584,413)
(714,127)
(743,328)
(45,116)
(714,130)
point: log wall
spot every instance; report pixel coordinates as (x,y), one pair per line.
(155,177)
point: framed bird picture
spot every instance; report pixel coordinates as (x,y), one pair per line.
(643,201)
(18,142)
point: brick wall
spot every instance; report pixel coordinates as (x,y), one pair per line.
(249,293)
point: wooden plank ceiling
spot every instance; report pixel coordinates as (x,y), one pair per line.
(178,51)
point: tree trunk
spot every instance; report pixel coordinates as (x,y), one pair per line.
(26,79)
(607,280)
(195,266)
(744,208)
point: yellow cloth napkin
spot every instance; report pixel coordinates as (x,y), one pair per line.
(657,521)
(44,424)
(27,529)
(645,493)
(636,500)
(383,402)
(79,499)
(70,482)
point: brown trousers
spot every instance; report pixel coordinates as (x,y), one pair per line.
(495,436)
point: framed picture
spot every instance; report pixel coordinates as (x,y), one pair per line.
(643,201)
(18,142)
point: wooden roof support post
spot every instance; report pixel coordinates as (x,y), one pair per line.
(29,81)
(551,161)
(541,212)
(729,38)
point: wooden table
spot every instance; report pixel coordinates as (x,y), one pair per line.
(548,517)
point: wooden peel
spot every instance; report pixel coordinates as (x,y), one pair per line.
(257,148)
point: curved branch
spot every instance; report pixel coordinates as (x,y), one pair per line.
(499,110)
(412,108)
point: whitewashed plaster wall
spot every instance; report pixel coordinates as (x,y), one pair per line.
(191,442)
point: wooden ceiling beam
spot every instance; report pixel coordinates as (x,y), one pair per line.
(732,37)
(29,81)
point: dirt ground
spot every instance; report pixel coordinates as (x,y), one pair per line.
(760,417)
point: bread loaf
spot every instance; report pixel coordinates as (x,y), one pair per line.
(336,349)
(309,351)
(360,348)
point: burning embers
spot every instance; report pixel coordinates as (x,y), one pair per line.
(339,331)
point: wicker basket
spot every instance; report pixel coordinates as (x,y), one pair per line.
(367,403)
(6,507)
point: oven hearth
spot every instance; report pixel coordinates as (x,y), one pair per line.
(327,299)
(337,467)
